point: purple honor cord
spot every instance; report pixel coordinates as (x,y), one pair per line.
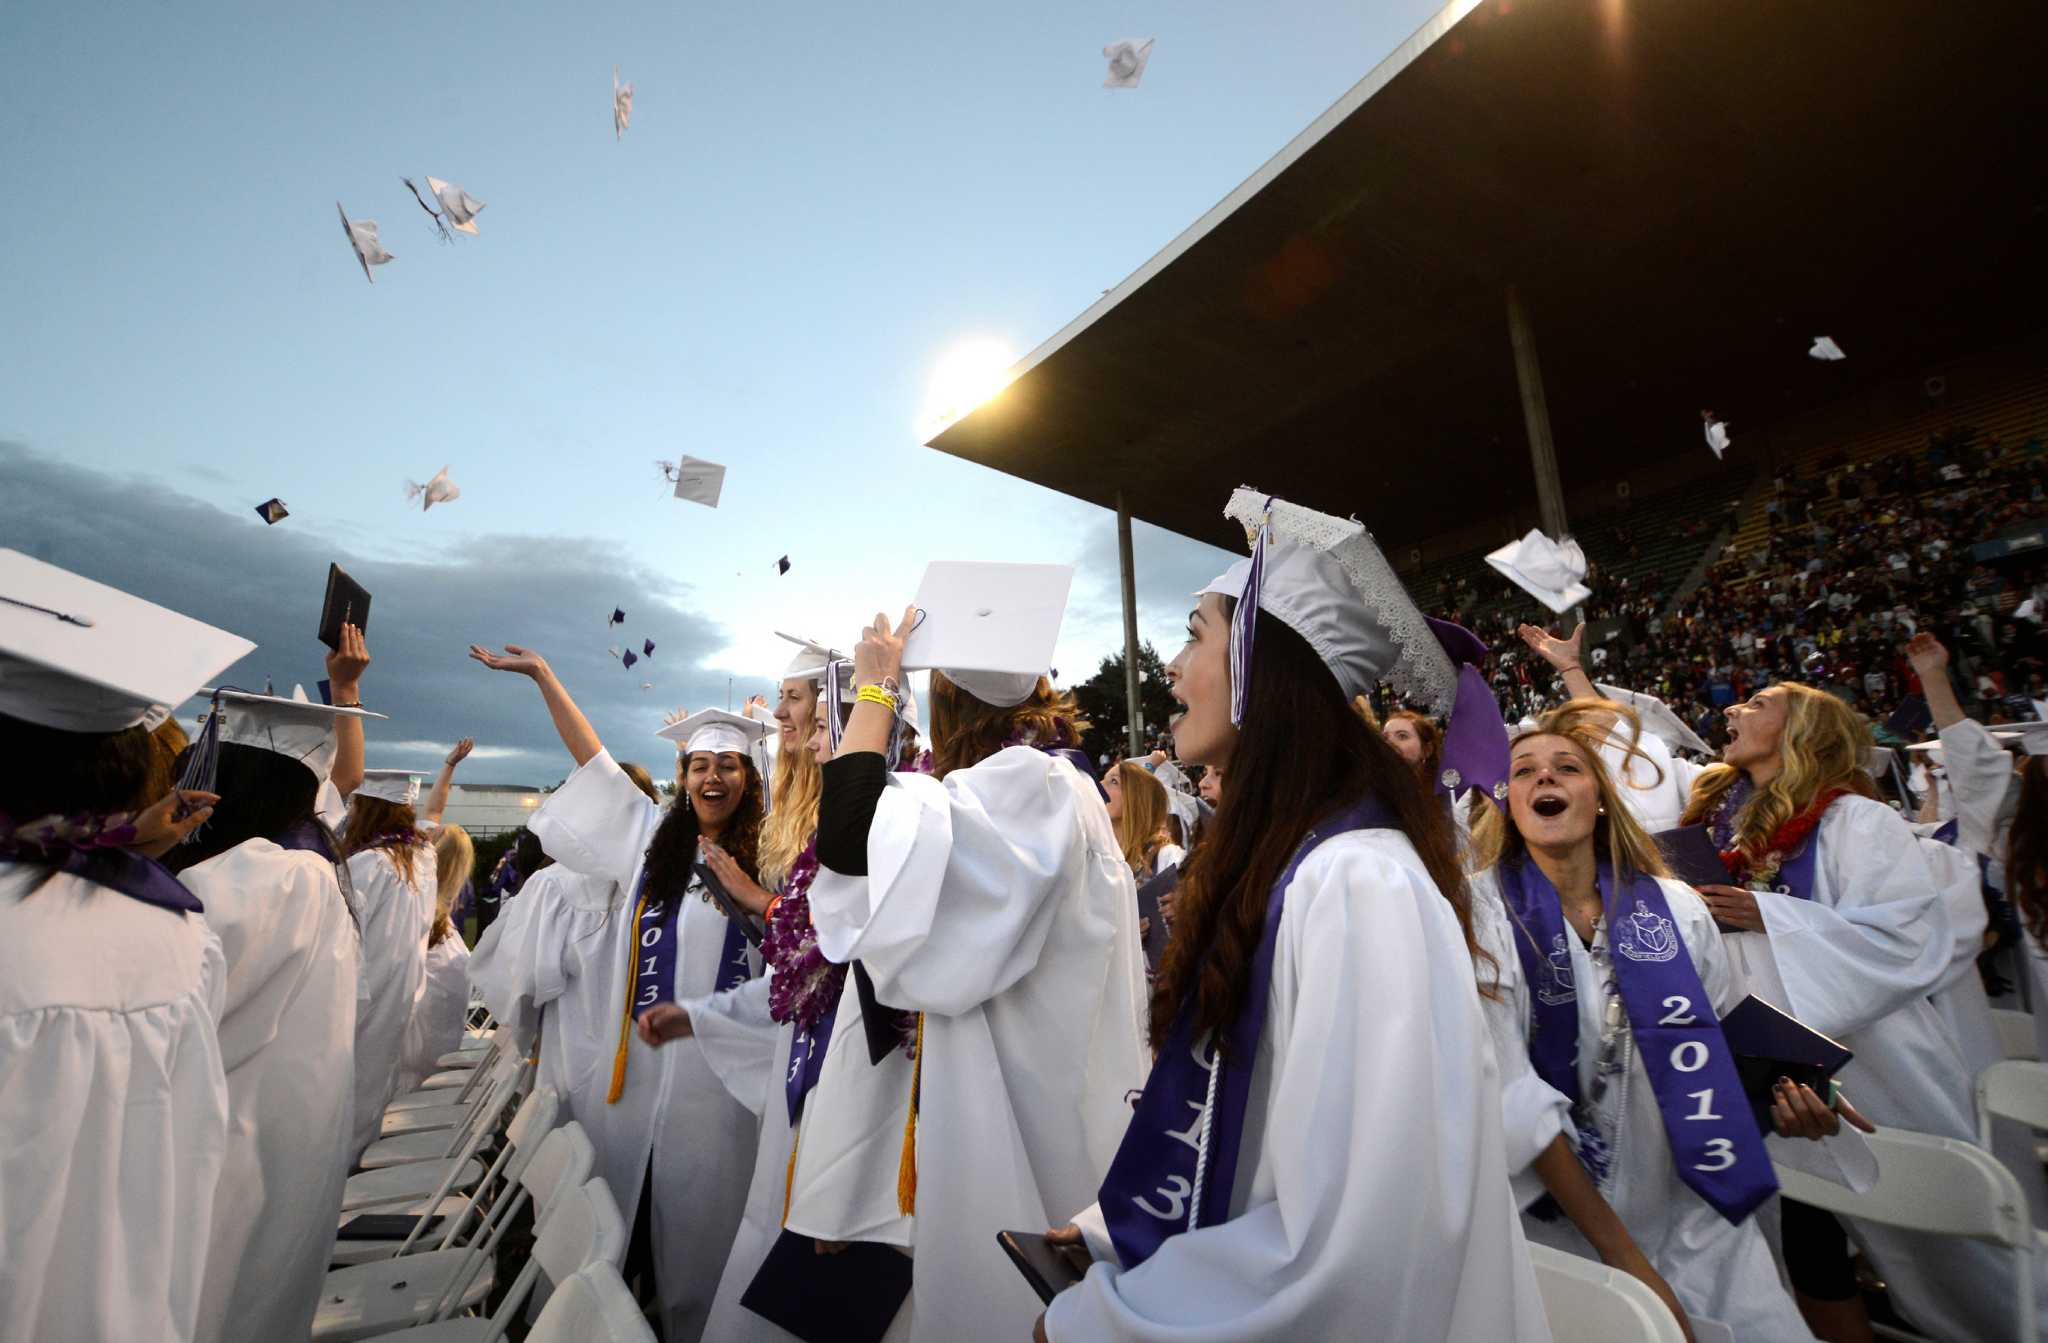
(1707,1117)
(1178,1159)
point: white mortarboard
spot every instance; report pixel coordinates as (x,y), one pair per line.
(391,785)
(1717,437)
(1930,749)
(2031,738)
(1824,347)
(80,656)
(715,730)
(811,657)
(362,239)
(295,727)
(622,104)
(699,481)
(1127,57)
(1325,579)
(460,205)
(1553,572)
(439,490)
(1657,718)
(989,627)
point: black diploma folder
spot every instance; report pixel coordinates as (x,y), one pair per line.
(1693,856)
(1149,915)
(1049,1268)
(347,603)
(1768,1045)
(846,1297)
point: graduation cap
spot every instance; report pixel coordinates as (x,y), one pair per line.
(699,481)
(461,207)
(618,618)
(1824,348)
(294,726)
(782,566)
(79,656)
(629,657)
(401,786)
(1716,431)
(439,490)
(647,685)
(2030,738)
(1657,718)
(811,657)
(272,511)
(362,240)
(989,627)
(647,648)
(622,105)
(1553,572)
(1127,57)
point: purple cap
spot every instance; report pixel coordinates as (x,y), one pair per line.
(1475,746)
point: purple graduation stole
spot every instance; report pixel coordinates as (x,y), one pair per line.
(1707,1117)
(1795,874)
(806,1061)
(1178,1159)
(657,931)
(309,835)
(133,875)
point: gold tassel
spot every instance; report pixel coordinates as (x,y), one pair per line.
(789,1175)
(618,1086)
(906,1168)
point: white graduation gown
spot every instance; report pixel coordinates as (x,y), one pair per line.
(998,904)
(287,1037)
(113,1111)
(1859,962)
(440,1014)
(1372,1197)
(395,915)
(539,967)
(1719,1271)
(674,1112)
(1656,784)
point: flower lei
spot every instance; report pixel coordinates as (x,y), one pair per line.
(48,837)
(803,984)
(1786,840)
(390,839)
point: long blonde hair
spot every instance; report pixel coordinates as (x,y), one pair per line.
(794,817)
(1629,849)
(1823,745)
(1141,829)
(456,857)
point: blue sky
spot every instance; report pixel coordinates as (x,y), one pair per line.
(813,205)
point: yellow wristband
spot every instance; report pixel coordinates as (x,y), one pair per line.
(874,694)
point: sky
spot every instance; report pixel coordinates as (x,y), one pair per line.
(813,206)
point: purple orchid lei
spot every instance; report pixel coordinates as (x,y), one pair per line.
(47,836)
(804,984)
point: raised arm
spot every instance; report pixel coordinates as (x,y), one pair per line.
(1563,655)
(574,729)
(1930,663)
(437,800)
(345,668)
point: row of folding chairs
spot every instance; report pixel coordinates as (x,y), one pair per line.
(424,1220)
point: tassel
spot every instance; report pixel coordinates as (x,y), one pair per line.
(789,1175)
(906,1168)
(203,763)
(618,1086)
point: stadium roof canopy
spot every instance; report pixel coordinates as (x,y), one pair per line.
(1685,193)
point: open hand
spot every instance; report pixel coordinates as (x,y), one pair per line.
(1561,654)
(1733,907)
(163,825)
(461,752)
(514,659)
(1927,654)
(662,1023)
(346,664)
(749,894)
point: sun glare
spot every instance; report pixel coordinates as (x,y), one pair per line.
(966,376)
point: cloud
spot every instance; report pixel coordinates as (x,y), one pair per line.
(1169,568)
(551,594)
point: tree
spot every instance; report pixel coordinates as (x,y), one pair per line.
(1101,698)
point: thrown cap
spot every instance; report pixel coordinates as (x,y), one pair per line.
(1553,572)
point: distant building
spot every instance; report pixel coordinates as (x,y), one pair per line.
(487,809)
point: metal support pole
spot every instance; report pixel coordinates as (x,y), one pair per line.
(1536,418)
(1127,571)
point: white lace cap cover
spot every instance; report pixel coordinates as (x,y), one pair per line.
(1327,581)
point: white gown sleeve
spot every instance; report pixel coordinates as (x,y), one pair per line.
(1001,840)
(1533,1112)
(1876,938)
(738,1038)
(1980,773)
(598,822)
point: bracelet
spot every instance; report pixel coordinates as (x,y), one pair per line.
(874,694)
(1561,671)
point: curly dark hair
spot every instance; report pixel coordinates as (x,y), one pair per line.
(2026,852)
(1301,754)
(966,731)
(673,850)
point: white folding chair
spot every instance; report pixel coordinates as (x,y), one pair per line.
(2014,1089)
(418,1135)
(388,1186)
(1941,1186)
(584,1229)
(457,1105)
(593,1306)
(407,1289)
(2016,1033)
(448,1087)
(1588,1302)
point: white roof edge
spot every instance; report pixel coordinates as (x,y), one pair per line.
(1421,40)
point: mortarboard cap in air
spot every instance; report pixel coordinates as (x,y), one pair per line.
(272,511)
(1553,572)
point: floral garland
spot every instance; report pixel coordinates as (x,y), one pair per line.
(803,985)
(1785,841)
(390,839)
(48,837)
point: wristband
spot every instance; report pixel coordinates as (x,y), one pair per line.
(874,694)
